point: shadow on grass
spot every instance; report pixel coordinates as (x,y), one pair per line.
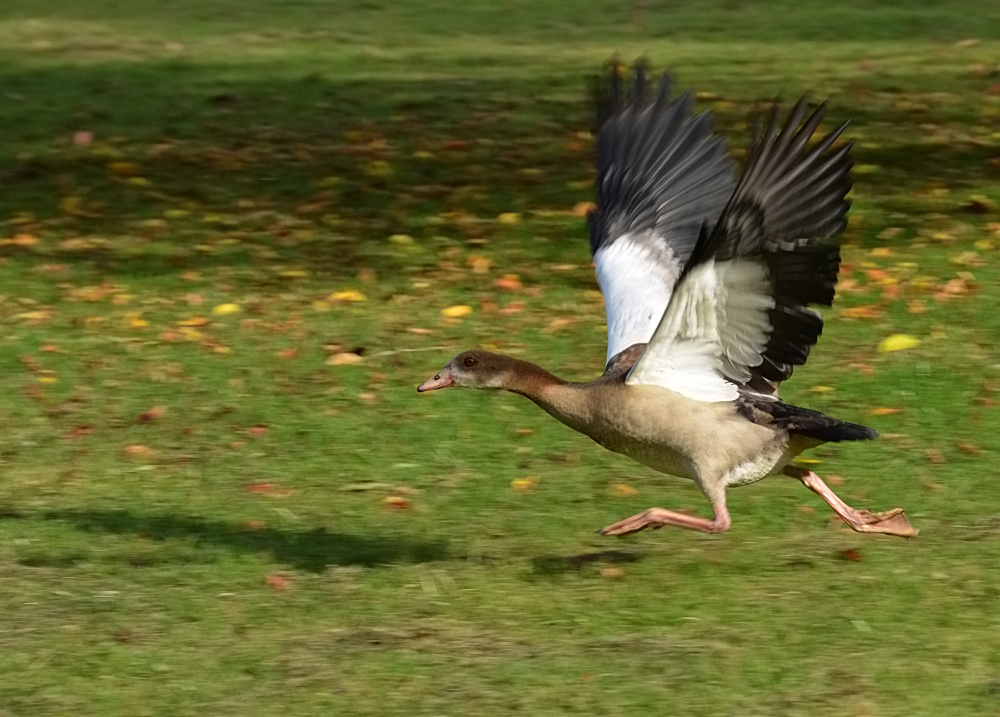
(555,565)
(311,550)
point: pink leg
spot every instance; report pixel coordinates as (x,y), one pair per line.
(656,518)
(891,522)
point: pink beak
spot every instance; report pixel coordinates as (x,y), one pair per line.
(439,380)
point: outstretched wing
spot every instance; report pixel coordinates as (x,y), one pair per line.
(740,317)
(661,176)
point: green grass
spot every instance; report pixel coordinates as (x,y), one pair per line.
(243,560)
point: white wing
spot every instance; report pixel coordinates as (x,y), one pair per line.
(662,175)
(715,328)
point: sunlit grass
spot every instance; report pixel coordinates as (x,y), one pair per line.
(294,529)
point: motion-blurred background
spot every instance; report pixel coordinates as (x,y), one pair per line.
(236,235)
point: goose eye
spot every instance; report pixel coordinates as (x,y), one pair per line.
(470,362)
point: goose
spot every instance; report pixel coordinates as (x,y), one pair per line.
(708,281)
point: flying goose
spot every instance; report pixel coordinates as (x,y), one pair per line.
(707,284)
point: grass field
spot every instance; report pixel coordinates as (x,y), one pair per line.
(229,232)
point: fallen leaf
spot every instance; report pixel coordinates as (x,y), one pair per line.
(194,322)
(898,342)
(582,209)
(257,431)
(226,309)
(156,412)
(624,490)
(457,311)
(79,432)
(508,282)
(524,484)
(348,295)
(278,583)
(396,502)
(822,389)
(509,218)
(138,451)
(869,311)
(851,554)
(884,411)
(612,572)
(288,354)
(934,456)
(345,358)
(970,448)
(480,264)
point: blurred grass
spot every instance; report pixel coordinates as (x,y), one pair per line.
(263,154)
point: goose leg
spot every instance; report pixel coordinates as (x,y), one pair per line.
(656,518)
(890,522)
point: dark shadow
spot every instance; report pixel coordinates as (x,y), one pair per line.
(312,550)
(553,565)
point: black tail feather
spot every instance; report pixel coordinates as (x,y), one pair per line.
(802,421)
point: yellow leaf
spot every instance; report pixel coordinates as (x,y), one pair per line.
(624,490)
(898,342)
(225,309)
(509,218)
(457,311)
(194,322)
(348,295)
(822,389)
(345,359)
(401,240)
(524,484)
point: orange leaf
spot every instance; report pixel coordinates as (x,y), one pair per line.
(396,502)
(869,311)
(258,431)
(509,282)
(278,583)
(883,411)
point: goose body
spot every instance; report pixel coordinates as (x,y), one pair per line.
(707,283)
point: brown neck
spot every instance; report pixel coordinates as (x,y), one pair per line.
(529,380)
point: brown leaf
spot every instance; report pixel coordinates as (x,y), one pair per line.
(152,414)
(79,432)
(970,448)
(868,311)
(852,554)
(934,456)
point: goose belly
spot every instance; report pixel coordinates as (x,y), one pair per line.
(757,468)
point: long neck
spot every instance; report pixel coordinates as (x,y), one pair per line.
(561,399)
